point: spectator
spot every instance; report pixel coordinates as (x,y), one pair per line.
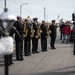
(66,31)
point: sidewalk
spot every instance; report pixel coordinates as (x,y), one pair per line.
(53,62)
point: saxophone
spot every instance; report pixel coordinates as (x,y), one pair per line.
(25,30)
(48,32)
(32,31)
(39,31)
(57,24)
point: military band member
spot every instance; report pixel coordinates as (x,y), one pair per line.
(27,37)
(18,38)
(43,36)
(53,34)
(34,39)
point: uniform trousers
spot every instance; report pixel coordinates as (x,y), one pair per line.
(34,45)
(43,43)
(19,49)
(52,41)
(27,46)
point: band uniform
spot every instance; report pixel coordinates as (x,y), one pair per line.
(27,38)
(43,36)
(34,39)
(18,38)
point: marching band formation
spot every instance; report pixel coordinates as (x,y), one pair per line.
(27,33)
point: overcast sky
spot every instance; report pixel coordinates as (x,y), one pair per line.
(35,8)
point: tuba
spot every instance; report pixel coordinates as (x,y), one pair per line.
(25,30)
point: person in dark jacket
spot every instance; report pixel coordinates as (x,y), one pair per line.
(53,34)
(18,38)
(34,39)
(61,28)
(27,39)
(43,36)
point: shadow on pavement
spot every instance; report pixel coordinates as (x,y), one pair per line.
(1,65)
(56,72)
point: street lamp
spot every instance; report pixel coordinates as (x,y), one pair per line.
(21,8)
(58,17)
(48,17)
(6,22)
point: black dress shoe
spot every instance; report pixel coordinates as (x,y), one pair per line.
(22,58)
(36,52)
(9,64)
(26,55)
(12,63)
(46,50)
(33,52)
(53,48)
(19,59)
(29,54)
(43,50)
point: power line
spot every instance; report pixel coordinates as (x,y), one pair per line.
(19,1)
(24,7)
(15,2)
(35,9)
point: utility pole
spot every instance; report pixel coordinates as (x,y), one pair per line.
(58,17)
(5,3)
(44,13)
(21,8)
(47,17)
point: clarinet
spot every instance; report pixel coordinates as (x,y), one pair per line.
(2,30)
(17,31)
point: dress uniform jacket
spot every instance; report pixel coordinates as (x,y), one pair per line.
(27,40)
(53,35)
(43,37)
(34,39)
(19,40)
